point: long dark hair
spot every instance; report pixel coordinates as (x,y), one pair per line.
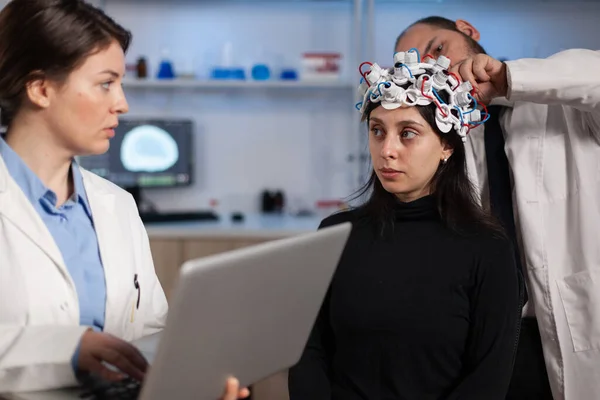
(455,195)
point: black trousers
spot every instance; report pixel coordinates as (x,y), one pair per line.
(530,378)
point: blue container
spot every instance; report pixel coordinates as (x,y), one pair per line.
(237,74)
(289,75)
(220,73)
(261,72)
(165,70)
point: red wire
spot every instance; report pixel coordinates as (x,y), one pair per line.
(427,55)
(430,97)
(455,76)
(485,110)
(457,79)
(361,71)
(425,79)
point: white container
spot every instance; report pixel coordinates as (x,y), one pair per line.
(320,66)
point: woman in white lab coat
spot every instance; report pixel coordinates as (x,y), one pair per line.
(77,280)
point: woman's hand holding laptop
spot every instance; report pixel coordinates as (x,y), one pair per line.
(233,391)
(98,348)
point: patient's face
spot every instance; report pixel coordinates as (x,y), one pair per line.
(405,150)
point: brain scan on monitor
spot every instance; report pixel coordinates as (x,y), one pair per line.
(148,148)
(147,153)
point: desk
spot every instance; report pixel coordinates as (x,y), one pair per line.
(254,226)
(174,243)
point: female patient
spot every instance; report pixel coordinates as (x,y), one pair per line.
(76,275)
(426,299)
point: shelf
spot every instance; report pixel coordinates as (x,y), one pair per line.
(225,84)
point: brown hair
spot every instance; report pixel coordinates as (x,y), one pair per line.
(49,39)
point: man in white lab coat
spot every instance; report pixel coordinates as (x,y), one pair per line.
(551,127)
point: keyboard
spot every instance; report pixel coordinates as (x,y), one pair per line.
(153,217)
(127,389)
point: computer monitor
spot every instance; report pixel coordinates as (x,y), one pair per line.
(147,153)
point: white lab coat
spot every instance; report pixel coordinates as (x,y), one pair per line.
(39,309)
(552,133)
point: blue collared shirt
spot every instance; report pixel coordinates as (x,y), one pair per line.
(72,227)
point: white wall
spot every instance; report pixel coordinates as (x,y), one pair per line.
(300,141)
(301,146)
(511,28)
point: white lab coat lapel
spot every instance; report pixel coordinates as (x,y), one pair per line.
(476,159)
(17,208)
(102,205)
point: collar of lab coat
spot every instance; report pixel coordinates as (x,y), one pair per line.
(501,101)
(16,208)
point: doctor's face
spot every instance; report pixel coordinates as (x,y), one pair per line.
(405,151)
(456,45)
(84,109)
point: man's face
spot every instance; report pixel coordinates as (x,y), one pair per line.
(457,46)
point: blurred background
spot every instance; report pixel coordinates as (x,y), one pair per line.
(242,127)
(269,87)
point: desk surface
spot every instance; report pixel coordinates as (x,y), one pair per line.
(253,226)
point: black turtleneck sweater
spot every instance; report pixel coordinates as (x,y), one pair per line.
(422,313)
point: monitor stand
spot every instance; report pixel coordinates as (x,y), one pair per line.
(142,205)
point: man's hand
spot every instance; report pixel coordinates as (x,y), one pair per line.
(486,74)
(98,348)
(233,392)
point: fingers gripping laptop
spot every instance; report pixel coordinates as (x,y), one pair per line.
(245,313)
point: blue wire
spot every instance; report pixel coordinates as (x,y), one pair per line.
(387,85)
(437,95)
(475,101)
(418,54)
(408,69)
(460,114)
(358,105)
(487,116)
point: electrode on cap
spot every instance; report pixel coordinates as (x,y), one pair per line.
(475,116)
(443,62)
(466,86)
(416,82)
(462,99)
(374,74)
(412,59)
(399,58)
(440,78)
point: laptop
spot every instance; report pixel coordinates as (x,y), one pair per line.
(245,313)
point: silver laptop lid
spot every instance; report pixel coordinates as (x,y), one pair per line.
(245,313)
